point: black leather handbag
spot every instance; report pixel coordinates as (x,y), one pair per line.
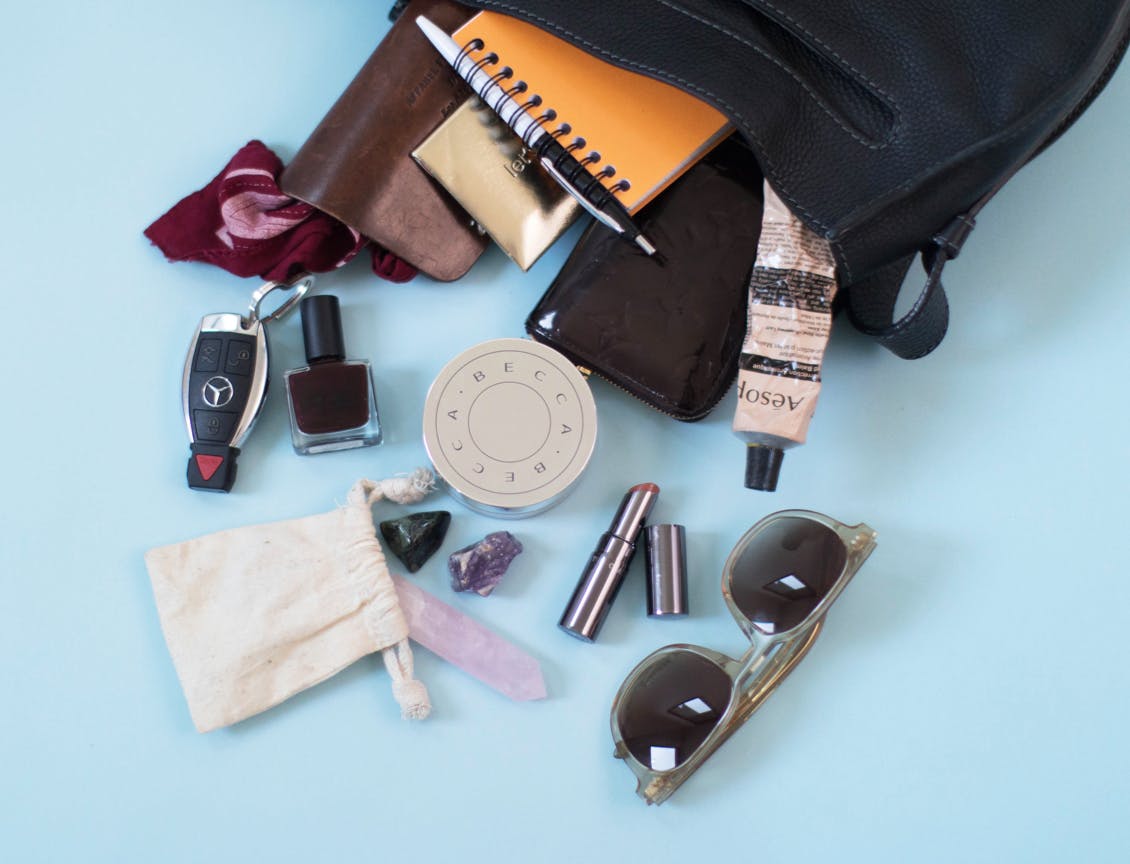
(885,125)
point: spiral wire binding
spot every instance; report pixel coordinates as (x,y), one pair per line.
(473,45)
(508,95)
(547,116)
(606,172)
(596,179)
(501,75)
(486,60)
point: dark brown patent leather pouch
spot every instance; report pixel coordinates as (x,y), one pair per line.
(668,329)
(357,164)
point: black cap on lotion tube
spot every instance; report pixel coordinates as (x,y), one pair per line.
(763,467)
(603,575)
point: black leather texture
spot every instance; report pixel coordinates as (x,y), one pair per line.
(877,122)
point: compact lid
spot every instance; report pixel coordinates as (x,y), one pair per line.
(510,425)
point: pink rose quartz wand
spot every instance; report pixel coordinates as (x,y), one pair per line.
(466,643)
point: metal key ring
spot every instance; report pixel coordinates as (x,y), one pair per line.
(300,285)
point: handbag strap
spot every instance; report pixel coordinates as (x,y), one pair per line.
(871,301)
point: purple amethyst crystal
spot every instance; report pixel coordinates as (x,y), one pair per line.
(480,566)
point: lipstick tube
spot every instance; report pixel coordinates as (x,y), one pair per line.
(604,573)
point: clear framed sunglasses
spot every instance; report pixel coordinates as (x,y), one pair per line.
(683,701)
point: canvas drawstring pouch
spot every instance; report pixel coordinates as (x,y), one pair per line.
(255,615)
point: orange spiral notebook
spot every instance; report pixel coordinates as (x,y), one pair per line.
(649,131)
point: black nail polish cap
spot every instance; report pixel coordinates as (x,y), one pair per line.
(321,328)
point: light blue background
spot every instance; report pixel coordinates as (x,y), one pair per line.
(967,702)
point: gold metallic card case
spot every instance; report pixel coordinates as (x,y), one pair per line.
(487,169)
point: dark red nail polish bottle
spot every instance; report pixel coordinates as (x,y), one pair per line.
(333,403)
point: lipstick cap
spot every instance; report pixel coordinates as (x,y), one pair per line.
(666,553)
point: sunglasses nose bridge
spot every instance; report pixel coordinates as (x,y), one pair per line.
(761,652)
(761,672)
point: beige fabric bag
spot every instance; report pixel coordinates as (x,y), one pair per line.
(254,615)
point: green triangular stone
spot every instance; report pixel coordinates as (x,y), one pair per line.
(415,538)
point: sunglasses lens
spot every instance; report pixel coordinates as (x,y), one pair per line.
(784,571)
(672,707)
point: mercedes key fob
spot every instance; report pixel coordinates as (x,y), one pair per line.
(225,384)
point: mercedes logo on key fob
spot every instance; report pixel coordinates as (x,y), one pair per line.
(218,391)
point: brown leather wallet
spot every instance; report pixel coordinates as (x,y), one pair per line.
(357,165)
